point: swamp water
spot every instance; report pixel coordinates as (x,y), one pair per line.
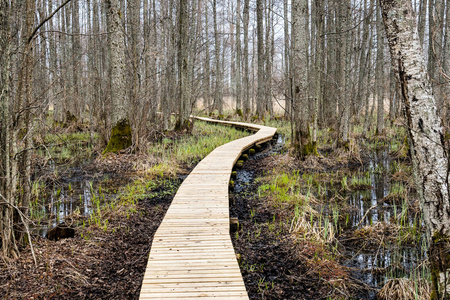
(77,194)
(377,260)
(371,262)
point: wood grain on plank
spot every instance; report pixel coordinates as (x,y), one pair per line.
(192,255)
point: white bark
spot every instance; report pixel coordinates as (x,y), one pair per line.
(429,157)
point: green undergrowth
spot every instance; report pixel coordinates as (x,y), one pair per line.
(65,147)
(169,155)
(175,152)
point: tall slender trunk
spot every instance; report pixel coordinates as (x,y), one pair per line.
(430,161)
(379,75)
(269,52)
(318,69)
(78,101)
(121,136)
(183,122)
(246,69)
(6,210)
(287,65)
(261,78)
(362,59)
(207,95)
(238,59)
(218,93)
(300,73)
(133,25)
(422,19)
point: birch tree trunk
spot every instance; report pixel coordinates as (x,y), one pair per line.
(238,59)
(246,13)
(261,78)
(287,65)
(121,130)
(207,94)
(430,160)
(218,93)
(379,75)
(268,106)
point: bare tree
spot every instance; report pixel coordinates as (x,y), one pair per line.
(300,45)
(246,13)
(379,75)
(238,59)
(121,130)
(183,122)
(261,78)
(218,93)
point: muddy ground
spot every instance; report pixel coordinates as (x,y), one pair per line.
(110,264)
(107,265)
(274,263)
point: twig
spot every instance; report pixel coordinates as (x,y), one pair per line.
(362,219)
(25,224)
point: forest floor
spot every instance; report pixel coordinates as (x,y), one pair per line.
(301,235)
(108,265)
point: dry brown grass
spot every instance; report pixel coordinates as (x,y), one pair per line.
(405,289)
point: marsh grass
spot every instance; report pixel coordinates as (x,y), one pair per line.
(173,154)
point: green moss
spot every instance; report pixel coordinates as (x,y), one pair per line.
(244,157)
(231,184)
(310,149)
(186,125)
(251,151)
(239,164)
(120,137)
(233,174)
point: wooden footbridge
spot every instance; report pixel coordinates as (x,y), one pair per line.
(192,255)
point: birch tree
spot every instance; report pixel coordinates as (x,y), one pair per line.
(430,160)
(238,59)
(246,17)
(218,93)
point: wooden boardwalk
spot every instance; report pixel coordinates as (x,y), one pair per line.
(192,255)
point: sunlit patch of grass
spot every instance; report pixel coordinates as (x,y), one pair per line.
(171,153)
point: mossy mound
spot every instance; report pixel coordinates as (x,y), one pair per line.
(186,125)
(310,149)
(120,137)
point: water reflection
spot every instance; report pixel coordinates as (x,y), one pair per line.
(375,266)
(67,198)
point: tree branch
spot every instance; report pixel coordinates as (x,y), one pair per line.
(46,19)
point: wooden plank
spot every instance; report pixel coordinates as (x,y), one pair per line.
(192,255)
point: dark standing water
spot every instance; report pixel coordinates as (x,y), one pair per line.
(373,266)
(77,194)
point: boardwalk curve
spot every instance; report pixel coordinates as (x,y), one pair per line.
(192,255)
